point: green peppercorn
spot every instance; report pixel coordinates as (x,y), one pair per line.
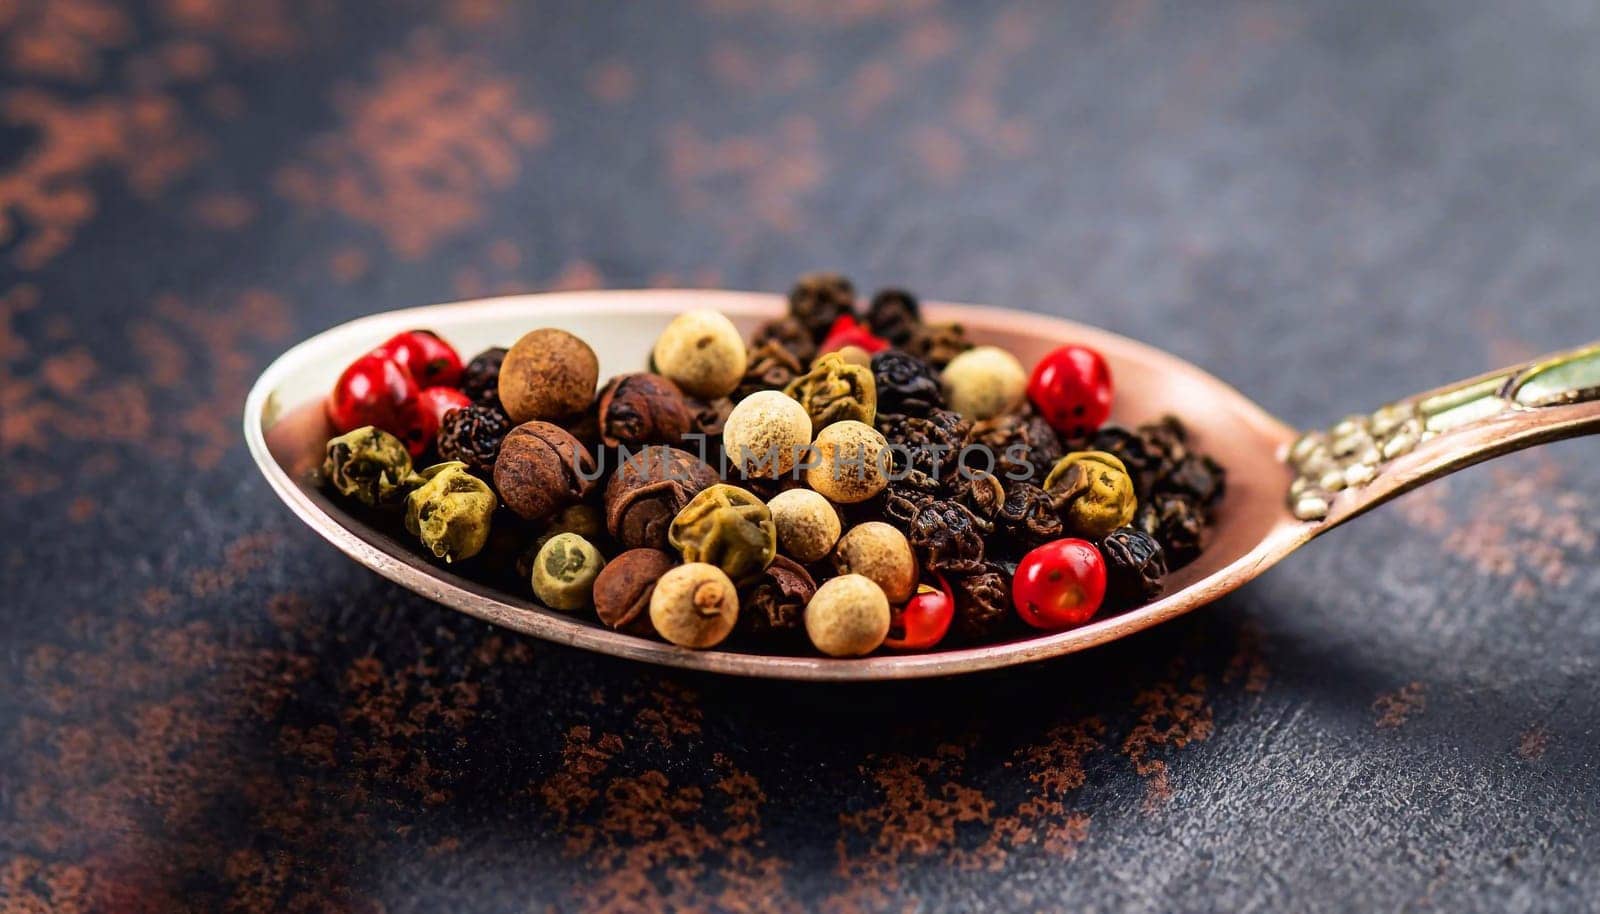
(835,389)
(1092,492)
(451,511)
(369,465)
(564,572)
(728,527)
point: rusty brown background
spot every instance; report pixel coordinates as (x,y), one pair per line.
(204,707)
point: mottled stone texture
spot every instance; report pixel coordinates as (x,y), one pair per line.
(203,707)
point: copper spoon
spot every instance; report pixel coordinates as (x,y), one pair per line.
(1284,488)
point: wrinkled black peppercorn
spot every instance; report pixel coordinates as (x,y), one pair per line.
(1178,523)
(480,380)
(771,367)
(789,333)
(906,384)
(774,602)
(1028,518)
(1024,446)
(983,602)
(898,505)
(925,450)
(819,299)
(1151,452)
(938,343)
(982,494)
(472,435)
(946,537)
(894,315)
(1135,564)
(1196,476)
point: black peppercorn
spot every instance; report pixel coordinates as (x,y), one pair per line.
(926,449)
(774,602)
(982,494)
(1196,476)
(946,537)
(983,602)
(938,343)
(772,366)
(1177,522)
(789,333)
(906,384)
(1135,565)
(480,380)
(1024,446)
(472,435)
(894,315)
(1150,452)
(819,299)
(1028,517)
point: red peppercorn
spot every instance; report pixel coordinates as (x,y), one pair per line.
(431,361)
(1059,584)
(432,404)
(847,332)
(374,390)
(1071,389)
(923,621)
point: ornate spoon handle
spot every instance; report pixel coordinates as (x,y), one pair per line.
(1366,460)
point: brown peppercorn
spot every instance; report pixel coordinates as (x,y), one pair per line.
(542,469)
(480,380)
(772,366)
(622,591)
(647,492)
(835,390)
(548,374)
(938,344)
(774,602)
(472,435)
(819,299)
(789,334)
(894,315)
(694,605)
(639,409)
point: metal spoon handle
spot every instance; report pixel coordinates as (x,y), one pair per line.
(1366,460)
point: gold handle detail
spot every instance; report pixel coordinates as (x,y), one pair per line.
(1368,459)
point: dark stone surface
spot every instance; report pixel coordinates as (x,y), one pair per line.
(1327,204)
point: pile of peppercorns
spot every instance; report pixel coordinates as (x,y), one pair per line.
(858,480)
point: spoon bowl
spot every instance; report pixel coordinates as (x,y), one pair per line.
(1256,523)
